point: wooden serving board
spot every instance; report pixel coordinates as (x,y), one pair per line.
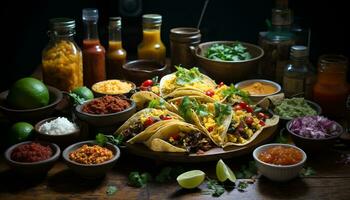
(211,155)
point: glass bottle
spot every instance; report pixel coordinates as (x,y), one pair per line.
(62,63)
(151,47)
(298,77)
(276,43)
(93,51)
(116,55)
(331,89)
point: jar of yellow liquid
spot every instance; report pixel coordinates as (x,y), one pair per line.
(152,47)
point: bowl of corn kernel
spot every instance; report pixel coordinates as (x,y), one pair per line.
(90,160)
(113,87)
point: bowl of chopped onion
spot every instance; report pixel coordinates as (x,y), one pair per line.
(314,133)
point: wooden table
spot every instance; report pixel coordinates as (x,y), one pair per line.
(332,181)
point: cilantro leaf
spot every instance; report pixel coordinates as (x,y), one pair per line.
(139,180)
(215,189)
(247,171)
(111,190)
(242,185)
(185,108)
(234,52)
(168,173)
(221,111)
(185,76)
(156,103)
(232,90)
(102,139)
(307,171)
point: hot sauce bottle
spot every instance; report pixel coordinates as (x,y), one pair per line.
(93,51)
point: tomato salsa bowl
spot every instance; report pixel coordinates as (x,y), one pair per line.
(279,162)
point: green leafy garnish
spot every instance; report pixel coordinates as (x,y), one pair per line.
(247,171)
(232,90)
(187,105)
(139,180)
(102,139)
(156,103)
(215,189)
(224,52)
(242,185)
(185,76)
(155,80)
(168,174)
(307,171)
(221,111)
(111,190)
(77,100)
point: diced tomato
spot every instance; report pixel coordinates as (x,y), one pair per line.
(147,83)
(164,117)
(210,129)
(243,105)
(143,88)
(210,93)
(176,137)
(262,123)
(249,120)
(149,121)
(262,115)
(221,84)
(237,107)
(249,109)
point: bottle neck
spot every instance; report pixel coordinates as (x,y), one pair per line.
(151,33)
(299,61)
(91,32)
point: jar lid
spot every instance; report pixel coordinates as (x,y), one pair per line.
(152,19)
(115,21)
(299,51)
(61,23)
(185,34)
(90,14)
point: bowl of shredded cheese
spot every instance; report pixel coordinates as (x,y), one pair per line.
(113,87)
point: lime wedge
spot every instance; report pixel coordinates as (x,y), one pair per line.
(191,179)
(223,172)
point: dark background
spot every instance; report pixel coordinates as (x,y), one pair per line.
(25,23)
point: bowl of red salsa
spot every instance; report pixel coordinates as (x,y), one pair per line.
(279,162)
(32,157)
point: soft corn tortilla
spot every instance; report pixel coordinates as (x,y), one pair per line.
(182,93)
(136,118)
(142,99)
(158,141)
(268,123)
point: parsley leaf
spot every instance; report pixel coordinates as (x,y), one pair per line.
(232,90)
(307,171)
(139,180)
(111,190)
(185,76)
(221,110)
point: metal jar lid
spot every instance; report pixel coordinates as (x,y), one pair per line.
(185,35)
(151,19)
(299,51)
(61,23)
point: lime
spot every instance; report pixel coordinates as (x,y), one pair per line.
(19,132)
(28,93)
(191,179)
(83,92)
(223,172)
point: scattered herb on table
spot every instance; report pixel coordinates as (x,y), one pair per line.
(102,139)
(242,186)
(214,188)
(111,190)
(225,52)
(168,174)
(247,172)
(307,171)
(187,76)
(139,180)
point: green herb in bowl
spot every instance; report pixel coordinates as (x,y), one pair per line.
(224,52)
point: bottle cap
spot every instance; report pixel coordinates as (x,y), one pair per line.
(152,19)
(61,23)
(115,21)
(90,14)
(299,51)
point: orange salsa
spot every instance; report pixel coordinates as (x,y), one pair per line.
(259,88)
(280,155)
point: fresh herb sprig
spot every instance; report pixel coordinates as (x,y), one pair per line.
(185,76)
(307,171)
(214,188)
(224,52)
(232,90)
(187,105)
(156,103)
(136,179)
(102,139)
(111,190)
(247,171)
(221,111)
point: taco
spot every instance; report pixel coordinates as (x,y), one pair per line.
(229,94)
(246,125)
(146,99)
(186,78)
(180,137)
(149,118)
(212,118)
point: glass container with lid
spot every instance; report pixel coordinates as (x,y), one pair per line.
(116,55)
(62,63)
(152,47)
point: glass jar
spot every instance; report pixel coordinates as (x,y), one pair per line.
(116,55)
(151,47)
(62,63)
(93,52)
(331,89)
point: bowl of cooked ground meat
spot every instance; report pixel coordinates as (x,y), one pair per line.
(109,110)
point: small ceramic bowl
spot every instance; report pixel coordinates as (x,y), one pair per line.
(278,172)
(62,140)
(105,122)
(314,145)
(257,98)
(138,71)
(98,93)
(31,114)
(90,171)
(34,168)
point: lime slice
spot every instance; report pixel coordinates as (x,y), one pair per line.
(223,172)
(191,179)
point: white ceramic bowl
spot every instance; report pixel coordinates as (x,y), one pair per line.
(278,172)
(257,98)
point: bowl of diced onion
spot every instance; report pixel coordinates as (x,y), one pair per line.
(59,130)
(314,133)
